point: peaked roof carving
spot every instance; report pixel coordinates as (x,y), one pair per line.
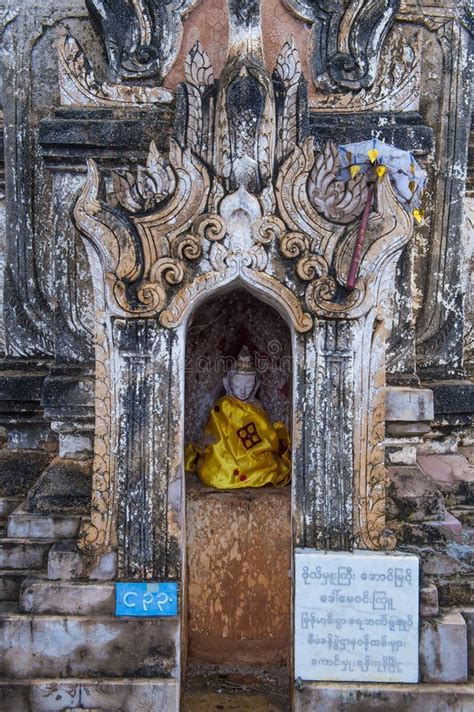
(242,197)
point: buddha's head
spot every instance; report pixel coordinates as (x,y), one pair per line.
(242,381)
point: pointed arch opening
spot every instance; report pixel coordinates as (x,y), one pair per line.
(238,541)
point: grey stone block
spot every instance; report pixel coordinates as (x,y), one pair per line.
(10,584)
(8,504)
(429,604)
(78,646)
(42,526)
(67,597)
(408,404)
(443,649)
(353,697)
(468,615)
(66,562)
(153,695)
(23,554)
(65,486)
(19,470)
(414,497)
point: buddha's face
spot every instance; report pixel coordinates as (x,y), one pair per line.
(241,385)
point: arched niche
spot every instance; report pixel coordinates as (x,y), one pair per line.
(215,334)
(238,542)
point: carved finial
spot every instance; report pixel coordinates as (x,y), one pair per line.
(198,67)
(288,64)
(347,40)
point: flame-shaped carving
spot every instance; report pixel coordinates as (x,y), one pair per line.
(153,183)
(339,201)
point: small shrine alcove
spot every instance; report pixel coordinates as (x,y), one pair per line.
(242,243)
(238,542)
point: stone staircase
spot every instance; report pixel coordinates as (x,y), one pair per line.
(61,647)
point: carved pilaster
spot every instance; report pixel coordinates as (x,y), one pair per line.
(28,315)
(142,468)
(448,52)
(323,466)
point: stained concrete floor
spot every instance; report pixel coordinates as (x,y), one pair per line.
(227,695)
(206,701)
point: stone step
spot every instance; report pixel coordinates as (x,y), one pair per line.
(337,696)
(86,646)
(8,504)
(66,562)
(23,524)
(104,695)
(10,583)
(67,597)
(23,553)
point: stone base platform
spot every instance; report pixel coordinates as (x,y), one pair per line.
(353,697)
(106,695)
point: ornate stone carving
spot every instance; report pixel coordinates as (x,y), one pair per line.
(241,202)
(78,84)
(142,37)
(347,39)
(397,83)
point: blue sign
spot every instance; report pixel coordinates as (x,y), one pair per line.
(146,599)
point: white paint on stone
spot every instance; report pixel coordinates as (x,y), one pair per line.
(443,649)
(405,455)
(409,404)
(356,616)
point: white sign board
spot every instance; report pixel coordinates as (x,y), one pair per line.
(356,616)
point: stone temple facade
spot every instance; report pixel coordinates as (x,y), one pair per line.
(171,187)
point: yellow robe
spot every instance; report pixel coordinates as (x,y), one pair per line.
(244,448)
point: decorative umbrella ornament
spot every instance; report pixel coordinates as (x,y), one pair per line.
(376,158)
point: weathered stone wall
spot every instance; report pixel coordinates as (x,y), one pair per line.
(74,90)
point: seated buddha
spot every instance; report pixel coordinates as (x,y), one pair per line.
(241,447)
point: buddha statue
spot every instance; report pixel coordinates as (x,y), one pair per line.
(241,447)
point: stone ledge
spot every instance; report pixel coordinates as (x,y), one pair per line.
(53,647)
(108,695)
(353,697)
(42,526)
(67,597)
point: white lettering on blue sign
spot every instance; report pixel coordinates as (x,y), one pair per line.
(133,598)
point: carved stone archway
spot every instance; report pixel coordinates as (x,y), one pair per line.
(242,199)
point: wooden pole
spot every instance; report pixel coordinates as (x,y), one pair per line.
(354,268)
